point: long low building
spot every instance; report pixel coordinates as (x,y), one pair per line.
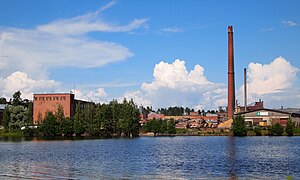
(267,117)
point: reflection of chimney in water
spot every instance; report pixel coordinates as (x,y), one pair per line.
(231,82)
(245,89)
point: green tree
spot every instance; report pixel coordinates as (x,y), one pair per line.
(78,127)
(3,100)
(6,117)
(171,126)
(290,126)
(89,120)
(30,112)
(108,124)
(59,114)
(163,126)
(18,117)
(154,126)
(187,111)
(257,130)
(59,118)
(48,127)
(17,100)
(276,130)
(238,126)
(66,126)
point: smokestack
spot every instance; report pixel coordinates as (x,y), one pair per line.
(245,88)
(231,82)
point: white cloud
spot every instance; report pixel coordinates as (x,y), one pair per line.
(289,23)
(19,81)
(271,78)
(172,29)
(62,43)
(98,96)
(274,83)
(174,85)
(34,52)
(89,22)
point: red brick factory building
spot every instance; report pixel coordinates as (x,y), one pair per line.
(42,103)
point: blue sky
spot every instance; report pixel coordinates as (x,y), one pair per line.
(114,49)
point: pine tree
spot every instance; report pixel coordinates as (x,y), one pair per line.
(289,130)
(238,126)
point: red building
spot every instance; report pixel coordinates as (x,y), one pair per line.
(43,103)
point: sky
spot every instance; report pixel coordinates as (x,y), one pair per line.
(160,53)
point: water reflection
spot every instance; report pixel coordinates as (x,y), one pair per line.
(231,150)
(151,158)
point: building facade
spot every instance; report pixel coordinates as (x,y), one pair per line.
(42,103)
(267,117)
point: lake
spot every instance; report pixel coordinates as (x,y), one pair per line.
(197,157)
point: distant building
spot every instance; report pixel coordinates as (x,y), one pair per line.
(153,115)
(42,103)
(267,117)
(194,113)
(251,107)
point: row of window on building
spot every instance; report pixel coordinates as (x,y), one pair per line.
(55,98)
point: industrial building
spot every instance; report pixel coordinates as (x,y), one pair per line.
(267,117)
(43,103)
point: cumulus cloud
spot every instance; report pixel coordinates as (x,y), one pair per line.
(62,43)
(174,85)
(19,81)
(99,95)
(274,83)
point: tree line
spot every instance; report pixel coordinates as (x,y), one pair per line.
(159,126)
(106,120)
(179,111)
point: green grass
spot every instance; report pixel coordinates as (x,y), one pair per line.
(4,133)
(297,131)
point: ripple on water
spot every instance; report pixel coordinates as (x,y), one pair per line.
(153,158)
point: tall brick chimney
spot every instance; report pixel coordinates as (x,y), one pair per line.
(231,82)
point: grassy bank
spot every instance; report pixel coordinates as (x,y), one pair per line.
(4,133)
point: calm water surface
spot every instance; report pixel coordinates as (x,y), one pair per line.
(152,158)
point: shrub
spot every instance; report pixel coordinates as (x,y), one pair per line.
(238,126)
(290,126)
(258,130)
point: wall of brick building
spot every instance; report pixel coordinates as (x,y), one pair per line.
(42,103)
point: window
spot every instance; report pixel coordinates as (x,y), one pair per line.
(47,98)
(35,98)
(50,98)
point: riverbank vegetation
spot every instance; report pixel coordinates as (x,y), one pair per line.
(239,128)
(158,126)
(105,120)
(114,120)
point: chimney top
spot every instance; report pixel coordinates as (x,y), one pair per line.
(230,29)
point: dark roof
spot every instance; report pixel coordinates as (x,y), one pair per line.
(273,110)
